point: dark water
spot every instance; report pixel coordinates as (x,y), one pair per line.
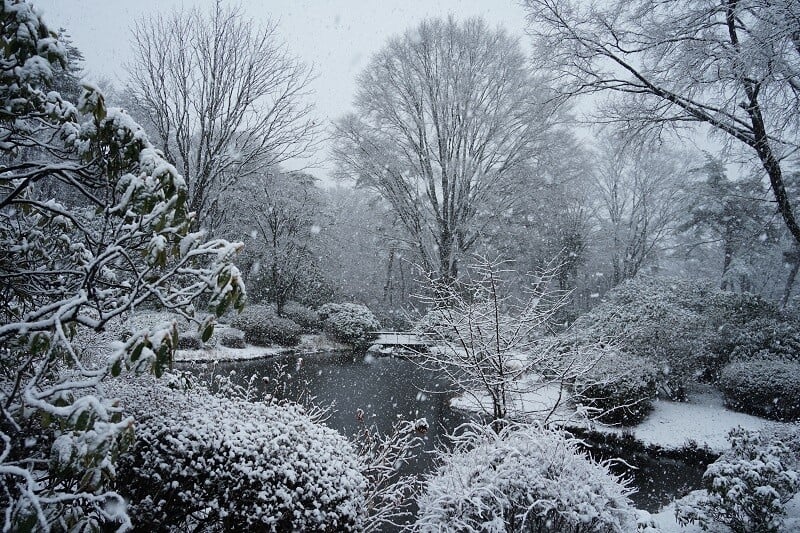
(386,388)
(658,479)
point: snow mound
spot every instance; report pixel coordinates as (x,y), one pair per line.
(241,465)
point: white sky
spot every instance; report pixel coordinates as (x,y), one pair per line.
(337,37)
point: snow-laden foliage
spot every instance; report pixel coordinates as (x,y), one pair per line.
(767,338)
(769,388)
(348,322)
(228,464)
(686,329)
(745,489)
(619,388)
(525,478)
(117,236)
(656,319)
(305,317)
(263,327)
(230,337)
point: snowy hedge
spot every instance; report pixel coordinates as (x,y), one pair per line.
(658,319)
(746,488)
(769,388)
(767,338)
(439,325)
(189,340)
(619,388)
(523,479)
(230,337)
(348,322)
(687,329)
(263,327)
(239,465)
(305,317)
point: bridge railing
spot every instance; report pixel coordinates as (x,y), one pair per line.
(400,337)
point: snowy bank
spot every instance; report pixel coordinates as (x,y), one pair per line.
(702,420)
(318,343)
(309,344)
(222,353)
(665,519)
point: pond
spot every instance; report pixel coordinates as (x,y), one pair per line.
(386,388)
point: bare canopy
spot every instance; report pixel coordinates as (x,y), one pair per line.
(223,96)
(731,64)
(444,115)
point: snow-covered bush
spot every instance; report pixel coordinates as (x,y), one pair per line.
(732,318)
(94,224)
(658,319)
(305,317)
(348,322)
(766,338)
(231,338)
(263,327)
(239,465)
(523,479)
(769,388)
(618,388)
(438,324)
(189,340)
(745,489)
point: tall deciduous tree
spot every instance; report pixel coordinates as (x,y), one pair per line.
(731,64)
(445,115)
(639,197)
(278,217)
(223,97)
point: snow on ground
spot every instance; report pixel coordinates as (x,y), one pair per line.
(308,344)
(665,519)
(537,403)
(703,419)
(317,343)
(221,353)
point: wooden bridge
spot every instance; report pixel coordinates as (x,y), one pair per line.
(404,340)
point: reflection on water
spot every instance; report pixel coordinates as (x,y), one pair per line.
(387,388)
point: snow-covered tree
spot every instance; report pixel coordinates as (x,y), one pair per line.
(639,197)
(446,114)
(734,215)
(278,216)
(731,65)
(70,267)
(223,96)
(526,478)
(493,345)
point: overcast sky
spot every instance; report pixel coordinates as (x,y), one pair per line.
(337,37)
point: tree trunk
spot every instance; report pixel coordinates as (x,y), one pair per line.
(794,257)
